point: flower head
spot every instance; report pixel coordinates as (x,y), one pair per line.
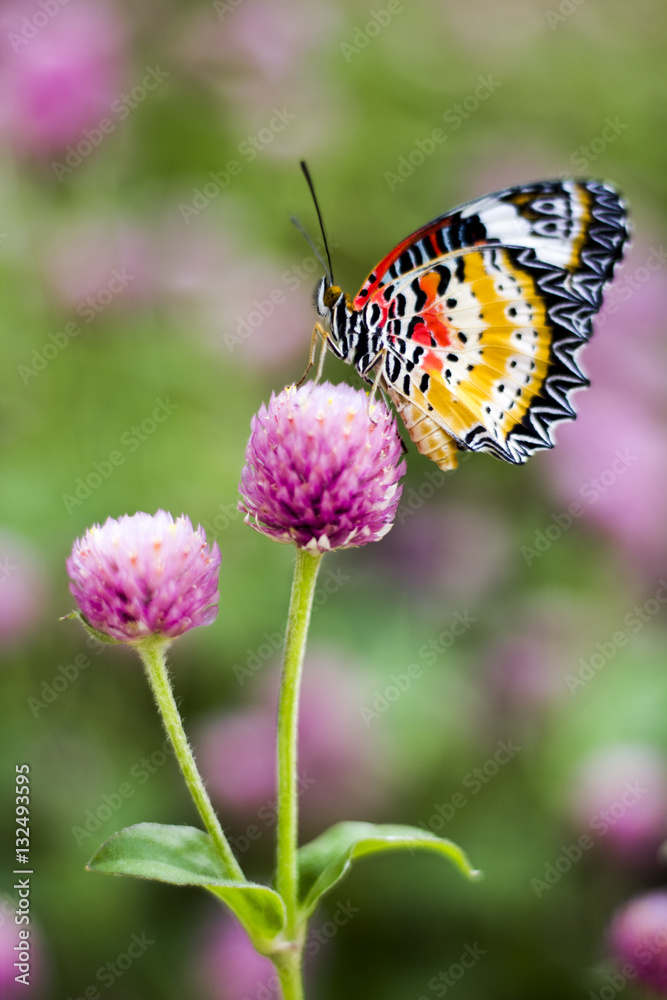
(638,936)
(145,575)
(321,468)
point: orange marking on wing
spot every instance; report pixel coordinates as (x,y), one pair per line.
(586,200)
(431,362)
(441,331)
(432,312)
(421,336)
(429,285)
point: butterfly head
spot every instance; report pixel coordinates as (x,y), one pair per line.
(332,306)
(326,298)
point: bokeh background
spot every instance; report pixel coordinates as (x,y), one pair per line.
(153,293)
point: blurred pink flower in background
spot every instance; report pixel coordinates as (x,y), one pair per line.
(629,351)
(254,311)
(236,756)
(23,587)
(262,58)
(458,550)
(528,660)
(494,171)
(227,967)
(485,25)
(612,459)
(638,938)
(256,45)
(342,768)
(107,260)
(62,74)
(619,795)
(613,462)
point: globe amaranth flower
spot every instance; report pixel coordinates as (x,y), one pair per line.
(145,575)
(638,938)
(321,468)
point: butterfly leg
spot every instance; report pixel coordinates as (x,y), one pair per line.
(320,364)
(378,376)
(311,355)
(375,383)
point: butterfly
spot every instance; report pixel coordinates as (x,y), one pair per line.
(472,325)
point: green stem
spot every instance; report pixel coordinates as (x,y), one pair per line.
(287,875)
(153,655)
(291,980)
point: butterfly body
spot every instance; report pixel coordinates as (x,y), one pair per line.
(472,324)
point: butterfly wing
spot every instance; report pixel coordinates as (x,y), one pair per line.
(483,311)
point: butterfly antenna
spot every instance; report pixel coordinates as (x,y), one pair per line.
(295,222)
(309,181)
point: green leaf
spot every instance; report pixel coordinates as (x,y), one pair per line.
(98,636)
(184,855)
(324,861)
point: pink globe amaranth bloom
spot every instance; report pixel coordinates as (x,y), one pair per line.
(145,575)
(638,938)
(62,74)
(321,468)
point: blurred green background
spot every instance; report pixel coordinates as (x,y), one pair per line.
(153,295)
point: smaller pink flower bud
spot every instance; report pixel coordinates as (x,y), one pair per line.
(145,575)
